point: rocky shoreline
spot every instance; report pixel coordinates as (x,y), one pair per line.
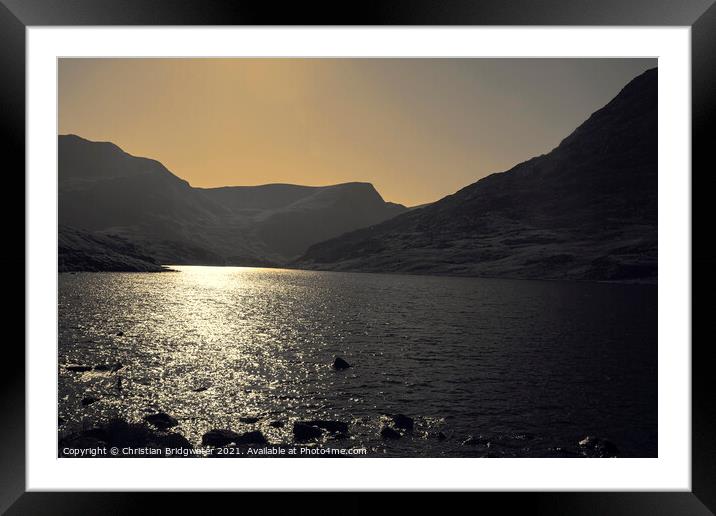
(259,435)
(154,437)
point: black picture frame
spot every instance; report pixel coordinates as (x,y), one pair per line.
(17,15)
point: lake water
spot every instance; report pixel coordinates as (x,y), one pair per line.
(531,366)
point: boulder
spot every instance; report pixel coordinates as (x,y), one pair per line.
(78,368)
(219,438)
(120,334)
(402,421)
(340,364)
(252,438)
(598,447)
(120,434)
(88,400)
(108,367)
(173,440)
(161,420)
(249,420)
(303,432)
(276,424)
(200,389)
(389,433)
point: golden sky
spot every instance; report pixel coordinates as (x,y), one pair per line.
(418,129)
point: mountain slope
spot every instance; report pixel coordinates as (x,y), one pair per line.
(586,210)
(290,218)
(83,251)
(103,190)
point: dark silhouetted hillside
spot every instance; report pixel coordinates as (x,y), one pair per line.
(587,210)
(103,190)
(83,251)
(290,218)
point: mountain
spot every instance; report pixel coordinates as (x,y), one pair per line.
(289,218)
(103,190)
(83,251)
(587,210)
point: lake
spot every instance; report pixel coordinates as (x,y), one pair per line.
(530,367)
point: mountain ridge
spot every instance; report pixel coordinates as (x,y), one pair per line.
(586,210)
(104,190)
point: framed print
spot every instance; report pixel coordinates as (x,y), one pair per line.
(448,246)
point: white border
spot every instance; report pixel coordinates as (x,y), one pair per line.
(670,471)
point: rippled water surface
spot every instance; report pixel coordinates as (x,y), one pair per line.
(532,366)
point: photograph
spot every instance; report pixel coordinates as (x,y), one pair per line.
(351,257)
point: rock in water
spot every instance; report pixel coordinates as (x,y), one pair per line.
(161,420)
(389,433)
(219,438)
(252,438)
(304,432)
(598,447)
(120,434)
(78,368)
(108,367)
(588,442)
(340,364)
(403,421)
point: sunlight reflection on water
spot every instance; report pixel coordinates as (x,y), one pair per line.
(211,345)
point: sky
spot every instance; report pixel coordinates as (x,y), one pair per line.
(417,129)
